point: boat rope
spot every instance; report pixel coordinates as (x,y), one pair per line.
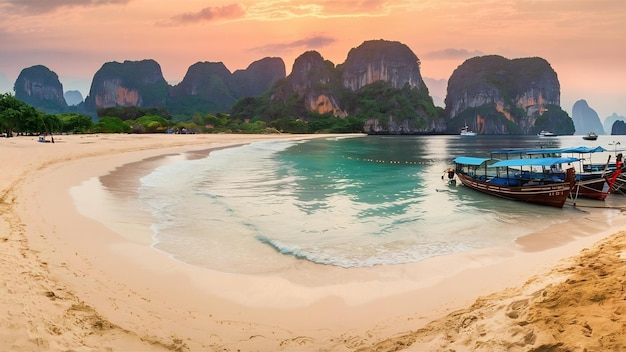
(621,208)
(381,161)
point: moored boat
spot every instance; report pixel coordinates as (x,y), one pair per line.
(522,179)
(619,187)
(546,134)
(594,181)
(466,132)
(591,136)
(598,184)
(614,173)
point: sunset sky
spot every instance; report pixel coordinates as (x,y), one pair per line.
(583,40)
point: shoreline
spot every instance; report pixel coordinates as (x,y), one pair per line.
(141,299)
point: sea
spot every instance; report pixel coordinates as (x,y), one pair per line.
(355,201)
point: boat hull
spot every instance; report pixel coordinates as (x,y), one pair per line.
(595,188)
(591,136)
(547,134)
(619,187)
(553,195)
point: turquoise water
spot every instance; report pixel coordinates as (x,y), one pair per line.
(348,202)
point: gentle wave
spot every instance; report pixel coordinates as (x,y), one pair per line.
(398,254)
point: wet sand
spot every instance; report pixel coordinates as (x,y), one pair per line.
(72,283)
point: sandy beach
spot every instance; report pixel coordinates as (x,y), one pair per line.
(71,283)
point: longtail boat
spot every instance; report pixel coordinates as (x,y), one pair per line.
(522,179)
(594,181)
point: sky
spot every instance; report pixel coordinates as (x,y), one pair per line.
(583,40)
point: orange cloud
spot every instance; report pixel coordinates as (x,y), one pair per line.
(307,43)
(269,10)
(285,9)
(36,7)
(278,10)
(452,54)
(209,14)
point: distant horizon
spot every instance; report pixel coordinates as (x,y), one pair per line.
(581,40)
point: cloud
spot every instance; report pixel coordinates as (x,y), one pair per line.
(269,10)
(314,42)
(279,10)
(208,14)
(452,54)
(36,7)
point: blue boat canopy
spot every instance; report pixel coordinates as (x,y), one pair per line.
(579,149)
(583,149)
(533,162)
(469,160)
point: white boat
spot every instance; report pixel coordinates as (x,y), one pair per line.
(546,134)
(465,131)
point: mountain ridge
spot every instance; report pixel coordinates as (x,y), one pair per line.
(501,96)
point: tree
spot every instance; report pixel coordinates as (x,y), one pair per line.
(30,123)
(111,125)
(149,124)
(52,123)
(76,123)
(17,116)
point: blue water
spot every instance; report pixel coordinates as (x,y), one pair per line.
(347,202)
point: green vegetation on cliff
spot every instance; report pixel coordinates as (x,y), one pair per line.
(556,120)
(290,116)
(382,102)
(377,100)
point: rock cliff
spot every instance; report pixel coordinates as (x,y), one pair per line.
(586,119)
(618,128)
(258,77)
(379,81)
(313,81)
(381,60)
(131,83)
(73,97)
(41,88)
(495,95)
(205,86)
(610,120)
(210,86)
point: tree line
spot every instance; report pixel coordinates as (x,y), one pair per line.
(20,118)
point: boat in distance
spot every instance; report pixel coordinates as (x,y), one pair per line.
(466,132)
(591,136)
(546,134)
(523,179)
